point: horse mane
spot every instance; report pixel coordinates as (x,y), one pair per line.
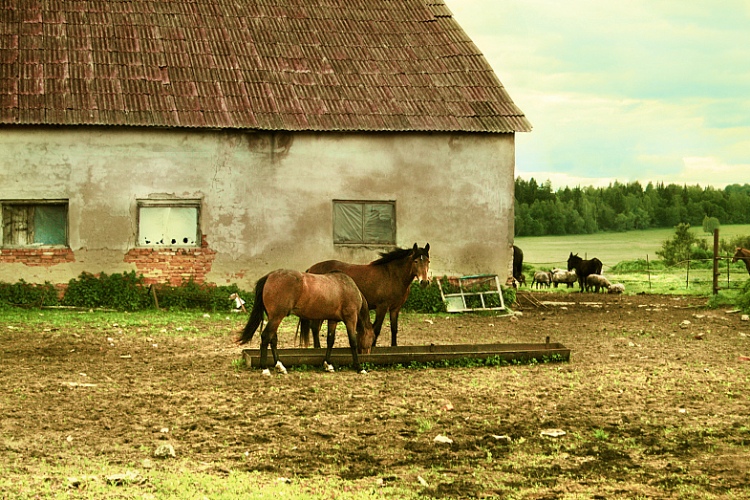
(393,255)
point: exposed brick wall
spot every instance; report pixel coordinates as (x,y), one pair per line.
(37,256)
(172,266)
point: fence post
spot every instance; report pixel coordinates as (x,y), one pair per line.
(716,261)
(687,277)
(648,272)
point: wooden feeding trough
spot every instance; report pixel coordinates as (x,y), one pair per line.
(342,356)
(479,292)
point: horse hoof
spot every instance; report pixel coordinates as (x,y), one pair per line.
(266,372)
(363,372)
(280,368)
(328,368)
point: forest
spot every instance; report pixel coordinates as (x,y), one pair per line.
(540,211)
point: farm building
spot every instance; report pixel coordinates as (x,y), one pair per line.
(220,139)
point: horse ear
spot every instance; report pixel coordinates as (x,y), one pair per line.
(415,248)
(427,248)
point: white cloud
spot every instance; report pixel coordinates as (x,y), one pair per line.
(648,90)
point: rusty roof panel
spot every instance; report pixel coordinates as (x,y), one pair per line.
(375,65)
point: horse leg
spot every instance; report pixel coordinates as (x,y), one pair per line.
(351,331)
(394,325)
(269,336)
(330,340)
(379,318)
(315,327)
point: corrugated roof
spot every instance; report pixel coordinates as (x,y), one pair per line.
(327,65)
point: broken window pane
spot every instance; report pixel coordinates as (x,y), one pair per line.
(168,226)
(364,222)
(30,224)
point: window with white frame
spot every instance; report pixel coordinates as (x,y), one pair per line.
(364,222)
(169,223)
(35,222)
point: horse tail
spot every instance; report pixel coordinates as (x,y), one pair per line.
(256,315)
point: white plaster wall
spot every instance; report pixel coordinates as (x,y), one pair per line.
(267,197)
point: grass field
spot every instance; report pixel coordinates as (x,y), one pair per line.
(546,252)
(610,248)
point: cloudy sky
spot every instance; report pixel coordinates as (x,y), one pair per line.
(647,90)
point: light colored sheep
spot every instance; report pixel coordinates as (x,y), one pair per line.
(597,281)
(616,288)
(541,278)
(563,276)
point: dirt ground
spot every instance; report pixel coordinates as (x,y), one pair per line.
(653,403)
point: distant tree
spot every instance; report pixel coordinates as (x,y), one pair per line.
(678,249)
(710,224)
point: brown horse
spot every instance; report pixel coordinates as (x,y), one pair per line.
(384,282)
(742,254)
(333,296)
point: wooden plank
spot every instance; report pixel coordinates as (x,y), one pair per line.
(341,356)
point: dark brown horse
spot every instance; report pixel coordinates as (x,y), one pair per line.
(333,296)
(742,254)
(518,265)
(384,282)
(584,268)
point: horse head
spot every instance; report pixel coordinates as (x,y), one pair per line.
(421,263)
(365,331)
(573,261)
(739,254)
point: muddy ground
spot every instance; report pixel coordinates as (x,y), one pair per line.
(653,403)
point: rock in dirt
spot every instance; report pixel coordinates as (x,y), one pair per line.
(443,439)
(128,477)
(553,433)
(165,450)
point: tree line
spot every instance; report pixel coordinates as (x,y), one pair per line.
(540,211)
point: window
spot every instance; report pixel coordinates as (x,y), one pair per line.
(364,222)
(35,223)
(169,223)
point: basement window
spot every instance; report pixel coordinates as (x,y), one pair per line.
(364,222)
(169,223)
(35,223)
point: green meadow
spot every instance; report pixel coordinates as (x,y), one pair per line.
(542,252)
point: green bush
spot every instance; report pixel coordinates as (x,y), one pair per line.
(114,291)
(728,247)
(637,265)
(28,294)
(424,299)
(743,299)
(192,295)
(684,246)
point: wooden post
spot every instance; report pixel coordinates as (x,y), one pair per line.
(687,276)
(153,294)
(648,272)
(716,261)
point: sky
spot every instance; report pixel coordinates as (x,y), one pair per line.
(635,90)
